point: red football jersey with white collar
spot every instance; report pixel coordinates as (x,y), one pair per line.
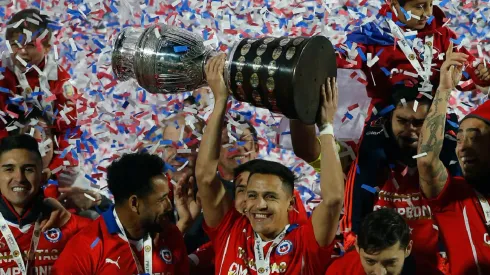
(298,253)
(461,221)
(101,249)
(51,244)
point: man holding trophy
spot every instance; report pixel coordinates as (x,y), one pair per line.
(292,76)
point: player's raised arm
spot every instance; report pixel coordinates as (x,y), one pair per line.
(326,216)
(433,174)
(214,200)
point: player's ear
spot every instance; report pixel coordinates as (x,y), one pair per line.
(134,203)
(292,203)
(46,47)
(46,175)
(408,250)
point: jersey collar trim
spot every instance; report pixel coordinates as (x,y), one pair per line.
(110,221)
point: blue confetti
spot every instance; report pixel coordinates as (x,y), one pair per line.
(369,188)
(457,41)
(429,21)
(386,110)
(387,73)
(179,49)
(361,54)
(165,142)
(453,124)
(90,179)
(94,243)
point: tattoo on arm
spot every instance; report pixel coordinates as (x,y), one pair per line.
(434,127)
(438,174)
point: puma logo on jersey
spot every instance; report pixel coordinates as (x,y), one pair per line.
(110,261)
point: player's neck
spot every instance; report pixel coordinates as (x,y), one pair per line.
(131,224)
(18,209)
(271,236)
(481,184)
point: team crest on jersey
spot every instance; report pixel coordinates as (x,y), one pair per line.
(68,89)
(166,256)
(284,247)
(53,235)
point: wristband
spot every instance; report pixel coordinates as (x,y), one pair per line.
(327,129)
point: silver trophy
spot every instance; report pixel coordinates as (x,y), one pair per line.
(282,74)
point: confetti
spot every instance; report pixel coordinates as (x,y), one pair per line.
(419,155)
(114,118)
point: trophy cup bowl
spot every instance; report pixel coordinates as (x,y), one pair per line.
(282,74)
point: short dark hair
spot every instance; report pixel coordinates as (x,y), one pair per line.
(132,174)
(25,142)
(382,229)
(245,167)
(37,30)
(402,2)
(400,91)
(266,167)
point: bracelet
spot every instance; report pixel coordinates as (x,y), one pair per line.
(327,129)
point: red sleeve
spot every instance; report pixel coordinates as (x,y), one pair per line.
(298,215)
(318,257)
(75,259)
(219,234)
(455,189)
(203,257)
(469,69)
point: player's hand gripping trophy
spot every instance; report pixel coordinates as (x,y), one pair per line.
(282,74)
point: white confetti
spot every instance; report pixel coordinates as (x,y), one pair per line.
(73,45)
(419,155)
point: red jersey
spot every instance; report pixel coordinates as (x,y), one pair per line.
(392,57)
(403,194)
(350,264)
(101,249)
(203,257)
(298,253)
(51,242)
(460,217)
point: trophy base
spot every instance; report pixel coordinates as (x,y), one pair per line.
(317,62)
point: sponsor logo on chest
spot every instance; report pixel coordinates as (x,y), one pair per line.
(410,206)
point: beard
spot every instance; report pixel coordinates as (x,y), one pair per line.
(154,224)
